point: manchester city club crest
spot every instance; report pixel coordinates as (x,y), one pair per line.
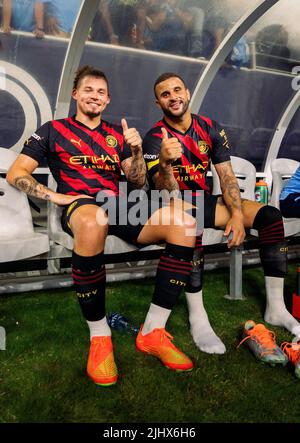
(111,141)
(203,147)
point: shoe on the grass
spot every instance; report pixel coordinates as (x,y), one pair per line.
(261,341)
(158,343)
(292,351)
(101,366)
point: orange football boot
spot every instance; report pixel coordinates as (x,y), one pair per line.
(158,343)
(101,366)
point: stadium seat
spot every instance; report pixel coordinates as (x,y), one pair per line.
(246,176)
(282,169)
(18,240)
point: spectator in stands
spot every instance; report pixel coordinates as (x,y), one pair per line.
(86,155)
(115,22)
(290,197)
(178,150)
(61,16)
(24,15)
(164,26)
(272,48)
(195,34)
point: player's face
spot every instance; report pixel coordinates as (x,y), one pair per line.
(91,96)
(172,97)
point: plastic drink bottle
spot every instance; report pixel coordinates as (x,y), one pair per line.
(118,322)
(261,192)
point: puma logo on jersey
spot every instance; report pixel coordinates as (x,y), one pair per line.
(76,142)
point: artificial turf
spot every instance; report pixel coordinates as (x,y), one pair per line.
(42,370)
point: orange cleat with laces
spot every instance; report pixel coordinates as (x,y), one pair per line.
(262,343)
(158,343)
(292,350)
(101,366)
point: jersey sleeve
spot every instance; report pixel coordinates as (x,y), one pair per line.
(151,150)
(220,144)
(37,145)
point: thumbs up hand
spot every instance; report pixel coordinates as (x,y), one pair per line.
(170,149)
(132,138)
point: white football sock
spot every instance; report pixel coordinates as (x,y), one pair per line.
(99,328)
(276,313)
(156,317)
(201,330)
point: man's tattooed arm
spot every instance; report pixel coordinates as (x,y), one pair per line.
(164,179)
(135,169)
(31,187)
(230,187)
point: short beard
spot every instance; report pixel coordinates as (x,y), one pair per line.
(93,114)
(171,116)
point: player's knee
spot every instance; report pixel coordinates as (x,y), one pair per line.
(92,226)
(186,226)
(266,216)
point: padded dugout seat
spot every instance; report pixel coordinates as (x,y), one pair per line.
(282,169)
(18,239)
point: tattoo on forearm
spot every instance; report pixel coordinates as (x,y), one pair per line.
(230,188)
(166,180)
(136,171)
(31,187)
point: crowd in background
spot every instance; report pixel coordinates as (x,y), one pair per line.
(192,28)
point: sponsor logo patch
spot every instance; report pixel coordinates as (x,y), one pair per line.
(150,156)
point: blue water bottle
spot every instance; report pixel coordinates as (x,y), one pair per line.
(120,323)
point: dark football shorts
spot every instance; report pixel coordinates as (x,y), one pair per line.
(206,203)
(126,219)
(210,203)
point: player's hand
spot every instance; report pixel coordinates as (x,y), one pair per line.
(132,138)
(63,199)
(170,149)
(235,226)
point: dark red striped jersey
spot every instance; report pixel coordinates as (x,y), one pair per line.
(82,160)
(204,141)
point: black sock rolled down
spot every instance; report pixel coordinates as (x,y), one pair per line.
(195,282)
(272,245)
(173,273)
(89,279)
